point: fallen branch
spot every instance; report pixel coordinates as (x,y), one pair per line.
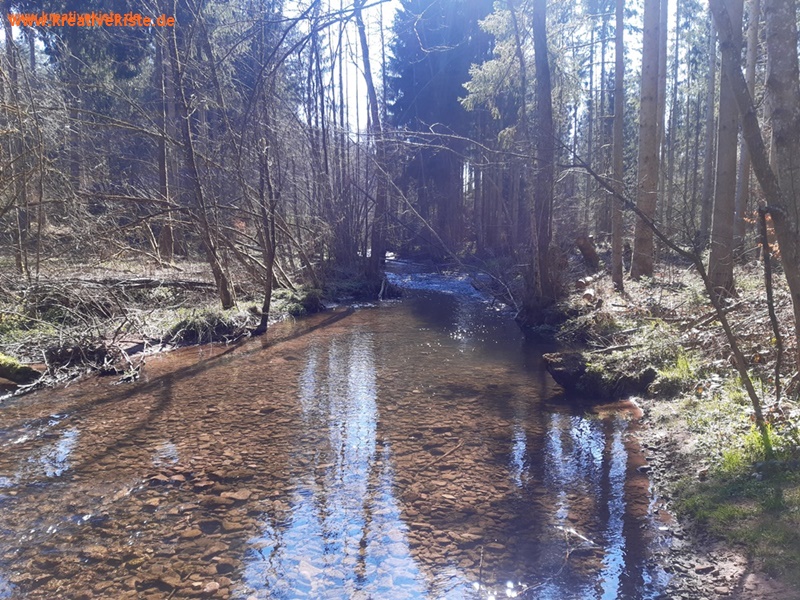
(147,283)
(711,316)
(773,319)
(611,349)
(445,455)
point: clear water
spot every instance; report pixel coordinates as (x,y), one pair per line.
(415,449)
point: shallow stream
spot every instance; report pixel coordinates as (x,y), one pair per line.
(412,449)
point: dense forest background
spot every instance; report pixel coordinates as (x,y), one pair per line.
(288,140)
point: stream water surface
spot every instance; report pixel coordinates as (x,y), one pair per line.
(412,449)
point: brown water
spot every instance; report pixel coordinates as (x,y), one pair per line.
(415,449)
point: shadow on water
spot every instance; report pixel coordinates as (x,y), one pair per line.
(160,382)
(405,451)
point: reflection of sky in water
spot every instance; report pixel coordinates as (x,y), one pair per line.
(518,461)
(519,449)
(166,454)
(574,456)
(555,467)
(343,529)
(573,451)
(53,459)
(573,467)
(31,432)
(614,560)
(6,589)
(451,284)
(574,464)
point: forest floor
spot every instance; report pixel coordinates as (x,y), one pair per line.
(107,317)
(736,514)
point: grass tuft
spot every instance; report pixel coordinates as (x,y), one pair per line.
(201,327)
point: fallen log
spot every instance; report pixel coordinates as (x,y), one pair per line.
(16,372)
(710,316)
(147,283)
(578,377)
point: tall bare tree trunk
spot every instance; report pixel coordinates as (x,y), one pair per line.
(783,106)
(590,110)
(604,217)
(707,192)
(618,145)
(539,285)
(671,140)
(663,22)
(17,154)
(268,198)
(647,193)
(378,239)
(743,177)
(201,213)
(166,238)
(720,262)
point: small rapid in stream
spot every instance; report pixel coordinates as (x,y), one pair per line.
(408,449)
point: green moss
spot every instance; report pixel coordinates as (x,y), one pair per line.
(594,328)
(13,370)
(632,368)
(11,323)
(203,327)
(300,302)
(676,377)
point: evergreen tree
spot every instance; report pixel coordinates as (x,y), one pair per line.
(435,44)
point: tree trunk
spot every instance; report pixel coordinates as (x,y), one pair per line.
(604,217)
(618,145)
(206,234)
(539,285)
(378,238)
(17,155)
(720,262)
(783,106)
(642,262)
(671,139)
(663,22)
(590,110)
(267,201)
(707,193)
(743,177)
(166,239)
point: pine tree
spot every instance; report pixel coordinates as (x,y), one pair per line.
(435,44)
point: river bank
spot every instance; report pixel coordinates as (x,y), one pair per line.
(737,514)
(108,318)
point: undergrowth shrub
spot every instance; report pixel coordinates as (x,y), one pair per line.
(300,302)
(206,326)
(675,377)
